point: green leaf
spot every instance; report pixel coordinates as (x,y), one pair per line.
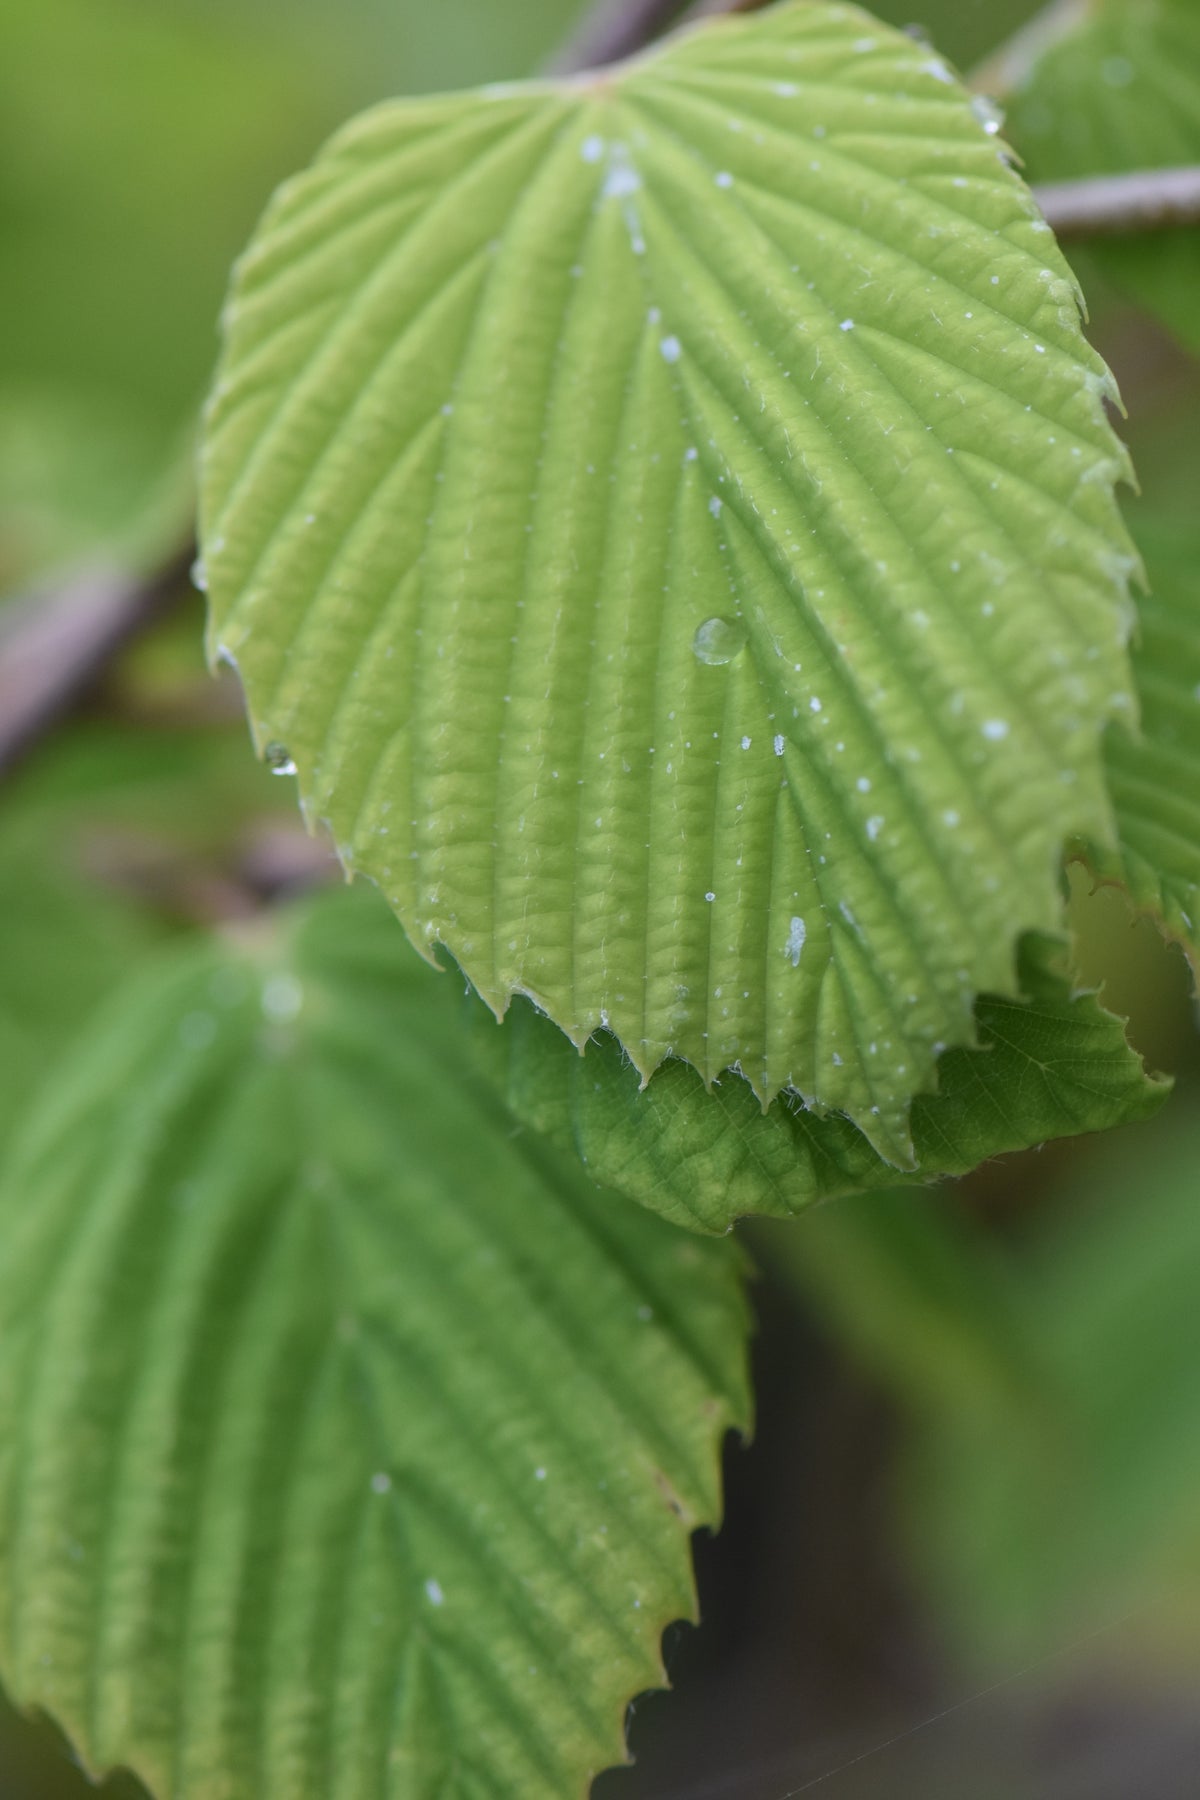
(1038,1529)
(349,1439)
(1055,1064)
(66,943)
(668,520)
(1119,92)
(1155,775)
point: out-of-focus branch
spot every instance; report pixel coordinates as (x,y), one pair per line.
(613,29)
(708,9)
(1109,205)
(54,645)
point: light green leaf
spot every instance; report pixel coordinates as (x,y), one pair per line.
(668,520)
(1121,91)
(1155,775)
(349,1439)
(1055,1064)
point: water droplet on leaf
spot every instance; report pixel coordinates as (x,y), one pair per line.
(719,641)
(278,759)
(989,113)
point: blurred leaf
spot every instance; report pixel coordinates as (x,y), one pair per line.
(1155,776)
(1027,1541)
(911,1288)
(137,142)
(1119,92)
(117,831)
(696,703)
(346,1430)
(1052,1065)
(65,945)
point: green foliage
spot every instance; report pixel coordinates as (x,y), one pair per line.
(139,139)
(347,1434)
(668,521)
(1119,90)
(1050,1065)
(1155,775)
(65,947)
(1029,1534)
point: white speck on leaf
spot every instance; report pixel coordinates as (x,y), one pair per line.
(620,181)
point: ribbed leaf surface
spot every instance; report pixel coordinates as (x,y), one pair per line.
(1054,1064)
(349,1439)
(668,521)
(1119,92)
(1155,776)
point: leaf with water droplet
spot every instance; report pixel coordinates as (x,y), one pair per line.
(989,112)
(510,348)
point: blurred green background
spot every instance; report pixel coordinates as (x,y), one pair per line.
(963,1555)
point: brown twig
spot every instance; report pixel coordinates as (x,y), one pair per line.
(614,29)
(1111,205)
(53,646)
(611,30)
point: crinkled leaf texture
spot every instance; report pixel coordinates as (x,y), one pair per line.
(1154,774)
(1051,1064)
(1119,90)
(349,1438)
(668,521)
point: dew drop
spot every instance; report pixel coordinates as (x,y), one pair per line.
(200,576)
(988,112)
(718,641)
(278,759)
